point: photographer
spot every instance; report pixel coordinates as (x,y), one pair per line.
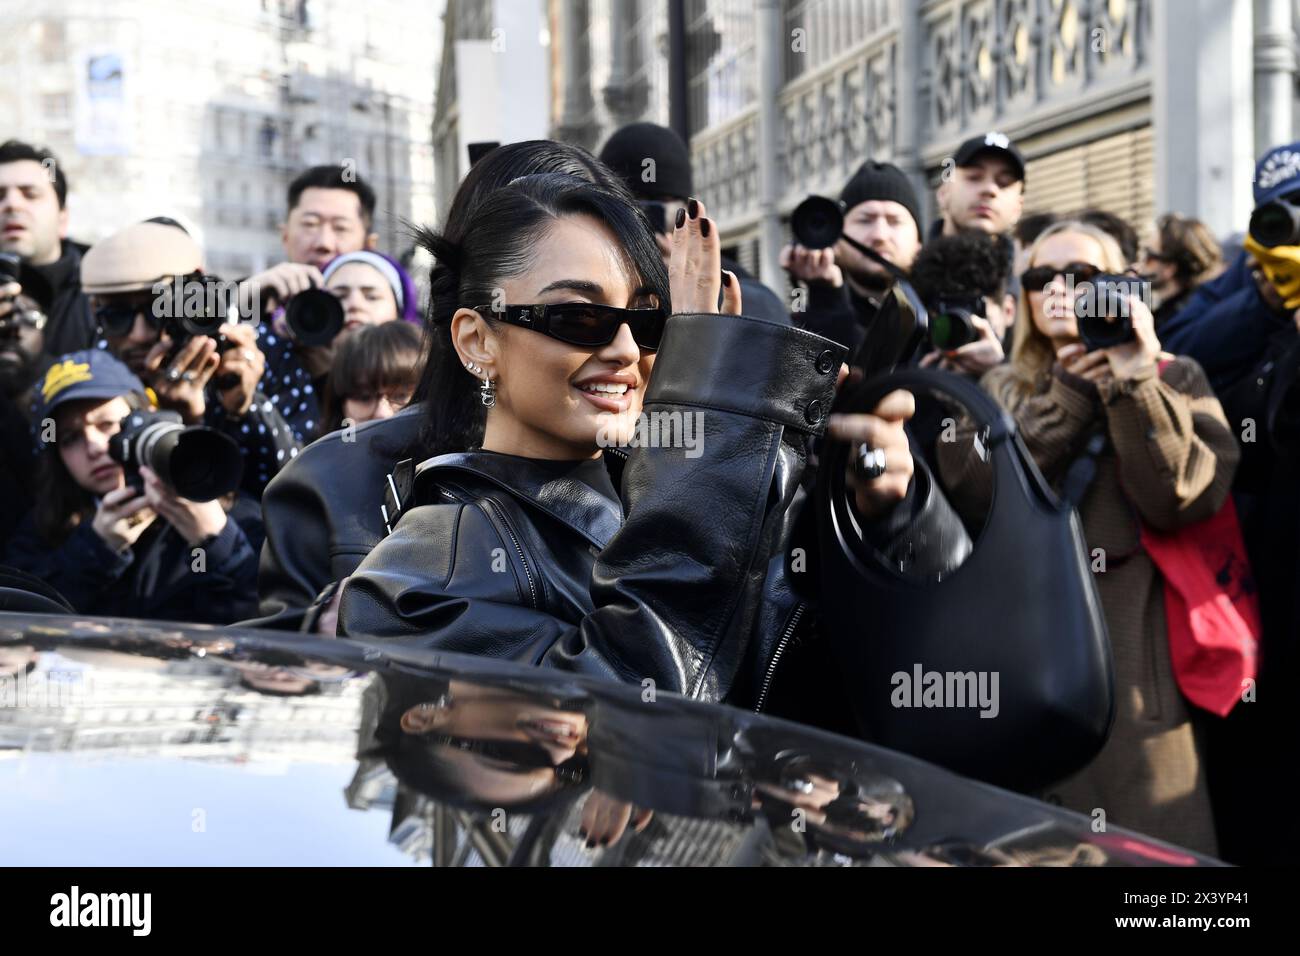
(844,286)
(662,187)
(967,274)
(22,362)
(1241,326)
(206,381)
(34,225)
(984,190)
(1162,457)
(330,213)
(110,548)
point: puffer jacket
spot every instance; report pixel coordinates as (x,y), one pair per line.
(681,582)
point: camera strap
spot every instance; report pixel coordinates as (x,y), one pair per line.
(876,257)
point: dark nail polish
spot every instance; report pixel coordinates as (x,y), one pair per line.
(681,218)
(726,280)
(694,207)
(704,228)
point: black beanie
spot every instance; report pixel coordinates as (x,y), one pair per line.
(883,181)
(628,149)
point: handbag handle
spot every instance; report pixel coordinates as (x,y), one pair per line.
(1012,464)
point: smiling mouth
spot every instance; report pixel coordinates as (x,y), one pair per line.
(608,396)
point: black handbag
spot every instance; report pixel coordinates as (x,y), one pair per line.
(1018,626)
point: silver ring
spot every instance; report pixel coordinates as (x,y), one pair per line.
(247,354)
(188,377)
(869,463)
(173,375)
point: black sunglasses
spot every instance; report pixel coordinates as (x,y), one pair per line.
(583,323)
(117,319)
(1036,278)
(525,756)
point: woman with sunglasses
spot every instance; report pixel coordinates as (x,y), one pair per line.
(1167,461)
(515,540)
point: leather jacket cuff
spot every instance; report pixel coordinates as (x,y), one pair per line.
(748,366)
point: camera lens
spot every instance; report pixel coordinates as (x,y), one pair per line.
(315,316)
(1273,224)
(817,222)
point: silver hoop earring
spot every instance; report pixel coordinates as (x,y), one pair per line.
(488,393)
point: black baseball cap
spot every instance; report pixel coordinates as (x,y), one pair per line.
(994,142)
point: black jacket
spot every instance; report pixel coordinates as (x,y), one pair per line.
(157,578)
(70,327)
(683,582)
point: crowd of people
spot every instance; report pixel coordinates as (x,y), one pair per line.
(462,475)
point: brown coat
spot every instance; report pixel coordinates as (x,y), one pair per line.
(1170,460)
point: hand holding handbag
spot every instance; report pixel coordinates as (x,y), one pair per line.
(1000,669)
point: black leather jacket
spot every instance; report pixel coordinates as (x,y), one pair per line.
(684,583)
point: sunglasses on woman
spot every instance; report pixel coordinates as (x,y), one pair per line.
(582,323)
(519,756)
(1036,278)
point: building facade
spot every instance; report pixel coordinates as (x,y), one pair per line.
(205,112)
(1135,106)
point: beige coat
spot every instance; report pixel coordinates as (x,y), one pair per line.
(1170,459)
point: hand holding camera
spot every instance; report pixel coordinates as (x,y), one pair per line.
(193,520)
(240,369)
(123,516)
(811,265)
(180,382)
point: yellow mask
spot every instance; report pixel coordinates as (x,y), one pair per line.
(1281,266)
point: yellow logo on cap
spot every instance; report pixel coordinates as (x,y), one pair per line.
(63,374)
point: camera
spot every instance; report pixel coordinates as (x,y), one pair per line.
(199,463)
(11,267)
(1102,309)
(1276,223)
(951,321)
(315,317)
(817,222)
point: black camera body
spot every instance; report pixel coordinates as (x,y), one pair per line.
(11,267)
(952,321)
(200,463)
(1102,309)
(1276,223)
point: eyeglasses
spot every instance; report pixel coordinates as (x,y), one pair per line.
(1035,279)
(582,323)
(118,318)
(32,318)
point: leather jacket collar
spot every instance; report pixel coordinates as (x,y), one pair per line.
(568,499)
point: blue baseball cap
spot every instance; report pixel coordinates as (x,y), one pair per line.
(90,373)
(1277,173)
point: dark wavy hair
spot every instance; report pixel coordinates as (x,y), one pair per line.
(371,359)
(969,263)
(496,238)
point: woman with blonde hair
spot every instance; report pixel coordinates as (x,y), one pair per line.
(1164,458)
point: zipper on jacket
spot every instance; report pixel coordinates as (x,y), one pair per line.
(532,590)
(776,656)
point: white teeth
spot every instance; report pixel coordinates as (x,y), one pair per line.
(607,387)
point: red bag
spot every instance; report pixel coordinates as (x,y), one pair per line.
(1211,607)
